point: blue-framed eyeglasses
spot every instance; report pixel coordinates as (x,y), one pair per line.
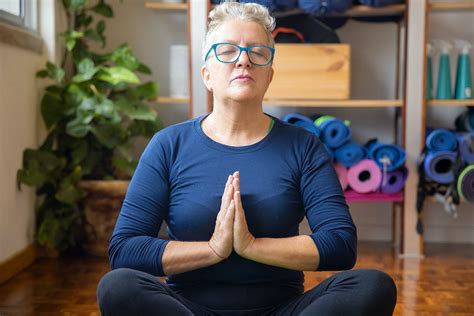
(228,53)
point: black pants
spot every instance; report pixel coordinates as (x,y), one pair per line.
(354,292)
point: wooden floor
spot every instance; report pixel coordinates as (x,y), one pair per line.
(440,284)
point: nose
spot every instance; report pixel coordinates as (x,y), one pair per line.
(243,60)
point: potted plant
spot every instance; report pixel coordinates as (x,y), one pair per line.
(94,108)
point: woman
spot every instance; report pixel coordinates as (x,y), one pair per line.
(233,187)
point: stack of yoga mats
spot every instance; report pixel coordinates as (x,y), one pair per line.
(449,160)
(375,167)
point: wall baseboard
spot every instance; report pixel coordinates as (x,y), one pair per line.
(22,259)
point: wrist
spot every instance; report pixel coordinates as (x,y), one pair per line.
(248,252)
(214,254)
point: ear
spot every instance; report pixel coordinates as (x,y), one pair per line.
(271,75)
(206,77)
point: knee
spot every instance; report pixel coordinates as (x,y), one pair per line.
(115,288)
(379,288)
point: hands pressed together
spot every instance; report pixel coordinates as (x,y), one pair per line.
(231,230)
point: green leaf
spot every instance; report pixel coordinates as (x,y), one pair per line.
(33,176)
(55,72)
(49,232)
(144,69)
(77,128)
(51,109)
(100,27)
(103,9)
(136,111)
(42,74)
(148,90)
(108,135)
(71,38)
(115,75)
(106,109)
(75,4)
(83,20)
(79,153)
(123,56)
(69,192)
(86,70)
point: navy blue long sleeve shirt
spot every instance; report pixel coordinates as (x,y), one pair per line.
(180,179)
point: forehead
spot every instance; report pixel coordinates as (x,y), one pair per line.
(239,31)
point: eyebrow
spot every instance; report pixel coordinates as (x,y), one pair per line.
(249,44)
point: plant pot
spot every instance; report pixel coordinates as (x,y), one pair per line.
(103,202)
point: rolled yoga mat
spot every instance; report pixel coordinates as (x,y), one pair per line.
(466,184)
(349,154)
(303,121)
(395,181)
(365,176)
(466,147)
(389,156)
(440,139)
(334,132)
(342,175)
(438,166)
(465,121)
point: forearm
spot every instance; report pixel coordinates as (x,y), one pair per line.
(296,253)
(183,256)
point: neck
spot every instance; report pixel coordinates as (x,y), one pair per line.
(236,124)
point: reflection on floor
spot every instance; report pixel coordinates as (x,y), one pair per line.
(440,284)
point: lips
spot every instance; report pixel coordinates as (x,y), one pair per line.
(243,77)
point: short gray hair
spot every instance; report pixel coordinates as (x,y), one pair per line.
(229,9)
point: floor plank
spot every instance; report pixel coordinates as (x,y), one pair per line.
(440,284)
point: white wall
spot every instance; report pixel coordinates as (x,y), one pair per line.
(150,33)
(20,128)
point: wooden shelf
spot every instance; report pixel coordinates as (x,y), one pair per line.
(171,100)
(451,6)
(452,102)
(335,103)
(354,197)
(165,6)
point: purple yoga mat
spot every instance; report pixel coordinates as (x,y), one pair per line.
(466,147)
(395,181)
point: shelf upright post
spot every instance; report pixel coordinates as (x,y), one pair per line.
(198,22)
(414,122)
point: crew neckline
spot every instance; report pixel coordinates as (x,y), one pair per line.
(235,149)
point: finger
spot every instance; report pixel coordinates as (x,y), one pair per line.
(239,210)
(236,185)
(236,174)
(227,195)
(229,218)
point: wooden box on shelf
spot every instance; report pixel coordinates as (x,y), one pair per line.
(310,71)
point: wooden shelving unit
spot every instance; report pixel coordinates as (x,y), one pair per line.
(171,100)
(451,6)
(453,102)
(335,103)
(164,6)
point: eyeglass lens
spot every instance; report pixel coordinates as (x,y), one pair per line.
(258,55)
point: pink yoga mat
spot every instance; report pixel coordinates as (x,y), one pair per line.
(342,175)
(365,176)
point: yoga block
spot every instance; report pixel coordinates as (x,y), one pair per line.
(310,71)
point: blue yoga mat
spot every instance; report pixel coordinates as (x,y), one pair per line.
(440,139)
(466,147)
(438,166)
(303,121)
(395,154)
(334,133)
(349,154)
